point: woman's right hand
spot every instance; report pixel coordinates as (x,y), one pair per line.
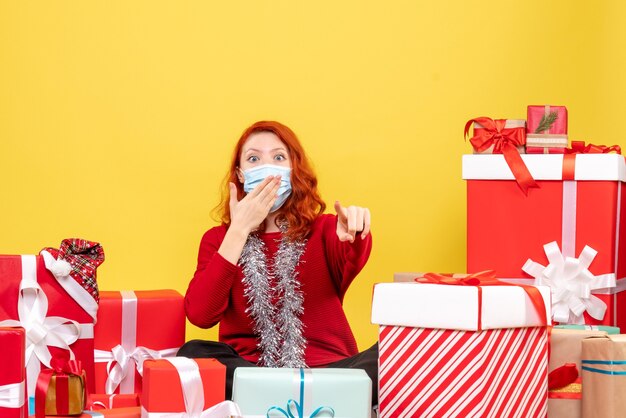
(248,213)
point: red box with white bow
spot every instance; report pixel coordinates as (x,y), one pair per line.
(56,313)
(134,326)
(567,233)
(461,350)
(185,387)
(13,402)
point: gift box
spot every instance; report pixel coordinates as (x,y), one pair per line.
(13,402)
(546,121)
(538,148)
(566,233)
(604,376)
(182,385)
(566,348)
(604,328)
(56,312)
(463,349)
(61,390)
(127,412)
(125,335)
(98,401)
(263,391)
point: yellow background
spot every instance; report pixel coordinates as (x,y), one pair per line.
(117,118)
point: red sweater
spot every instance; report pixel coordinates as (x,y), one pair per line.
(326,269)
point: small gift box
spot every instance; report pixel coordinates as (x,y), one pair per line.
(279,392)
(186,387)
(98,401)
(12,374)
(546,120)
(506,137)
(124,336)
(460,346)
(604,376)
(61,390)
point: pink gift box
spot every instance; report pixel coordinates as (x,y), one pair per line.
(538,113)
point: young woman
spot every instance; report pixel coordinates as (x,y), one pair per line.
(275,272)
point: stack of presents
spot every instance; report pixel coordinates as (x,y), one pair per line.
(531,330)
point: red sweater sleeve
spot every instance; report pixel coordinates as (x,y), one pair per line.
(208,292)
(345,259)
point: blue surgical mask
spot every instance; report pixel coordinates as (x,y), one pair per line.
(253,176)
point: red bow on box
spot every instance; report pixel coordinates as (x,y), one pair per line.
(504,141)
(61,370)
(579,147)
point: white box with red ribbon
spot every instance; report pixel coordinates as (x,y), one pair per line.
(462,350)
(567,233)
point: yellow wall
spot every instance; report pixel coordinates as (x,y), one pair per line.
(117,117)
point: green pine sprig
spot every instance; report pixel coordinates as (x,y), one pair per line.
(547,121)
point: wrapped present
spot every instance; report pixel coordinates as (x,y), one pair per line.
(603,328)
(127,412)
(506,137)
(187,387)
(12,373)
(536,148)
(604,376)
(546,121)
(564,234)
(61,390)
(125,335)
(470,347)
(98,401)
(55,305)
(565,349)
(274,392)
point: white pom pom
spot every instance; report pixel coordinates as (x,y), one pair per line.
(60,268)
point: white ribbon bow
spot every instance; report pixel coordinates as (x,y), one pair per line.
(121,364)
(41,331)
(193,394)
(12,395)
(571,284)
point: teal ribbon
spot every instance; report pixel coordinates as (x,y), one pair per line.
(605,363)
(299,406)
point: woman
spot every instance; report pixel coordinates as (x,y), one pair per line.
(275,272)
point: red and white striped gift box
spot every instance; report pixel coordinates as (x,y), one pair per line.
(460,351)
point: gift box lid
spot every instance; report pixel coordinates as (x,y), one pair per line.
(545,167)
(437,306)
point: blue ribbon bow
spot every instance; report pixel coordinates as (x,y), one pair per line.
(299,406)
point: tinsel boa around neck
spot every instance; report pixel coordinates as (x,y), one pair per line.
(278,325)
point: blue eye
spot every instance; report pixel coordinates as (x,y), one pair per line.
(253,159)
(280,157)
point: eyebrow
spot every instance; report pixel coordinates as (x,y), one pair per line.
(258,150)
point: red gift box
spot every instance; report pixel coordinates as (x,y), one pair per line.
(545,150)
(13,402)
(461,350)
(126,335)
(554,118)
(202,386)
(98,401)
(56,312)
(576,216)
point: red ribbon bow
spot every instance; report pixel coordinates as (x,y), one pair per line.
(487,278)
(61,369)
(579,147)
(562,376)
(505,142)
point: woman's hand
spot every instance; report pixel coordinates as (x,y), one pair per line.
(248,213)
(352,220)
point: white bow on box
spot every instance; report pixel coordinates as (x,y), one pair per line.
(571,283)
